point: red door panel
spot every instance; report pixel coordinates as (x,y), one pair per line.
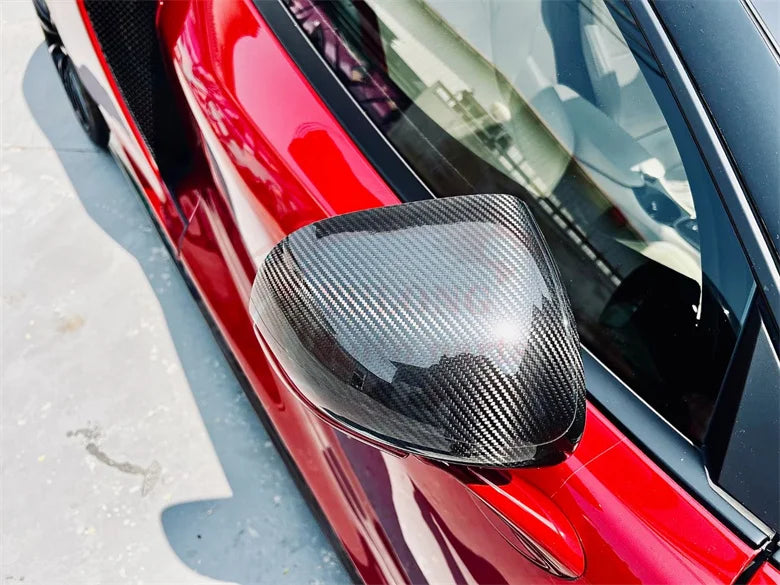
(626,511)
(275,159)
(768,574)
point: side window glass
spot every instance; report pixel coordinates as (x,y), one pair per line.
(561,103)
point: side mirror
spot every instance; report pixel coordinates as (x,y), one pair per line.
(439,328)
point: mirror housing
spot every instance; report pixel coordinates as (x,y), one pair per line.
(438,327)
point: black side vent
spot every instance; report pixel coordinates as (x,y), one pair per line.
(127,35)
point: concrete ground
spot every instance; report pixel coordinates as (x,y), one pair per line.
(129,452)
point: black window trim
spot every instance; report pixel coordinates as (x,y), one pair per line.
(754,344)
(652,433)
(391,166)
(766,33)
(715,153)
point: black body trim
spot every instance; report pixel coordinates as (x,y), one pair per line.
(722,422)
(126,31)
(750,468)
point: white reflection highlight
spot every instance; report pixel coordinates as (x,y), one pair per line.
(508,331)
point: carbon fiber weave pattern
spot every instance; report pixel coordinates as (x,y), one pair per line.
(127,33)
(438,327)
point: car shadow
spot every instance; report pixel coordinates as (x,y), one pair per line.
(264,533)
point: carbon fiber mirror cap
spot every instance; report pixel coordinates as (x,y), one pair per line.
(438,327)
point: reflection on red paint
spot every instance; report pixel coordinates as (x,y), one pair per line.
(768,574)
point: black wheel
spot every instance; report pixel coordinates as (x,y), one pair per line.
(87,111)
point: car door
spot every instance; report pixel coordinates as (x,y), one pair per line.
(307,110)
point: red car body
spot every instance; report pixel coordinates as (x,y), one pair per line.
(270,158)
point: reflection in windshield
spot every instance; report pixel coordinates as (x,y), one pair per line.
(491,90)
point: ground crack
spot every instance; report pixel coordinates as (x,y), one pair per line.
(151,474)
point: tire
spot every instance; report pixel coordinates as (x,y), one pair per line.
(87,111)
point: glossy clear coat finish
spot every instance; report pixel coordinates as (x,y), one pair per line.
(437,327)
(278,161)
(768,574)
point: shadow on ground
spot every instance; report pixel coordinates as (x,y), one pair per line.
(264,531)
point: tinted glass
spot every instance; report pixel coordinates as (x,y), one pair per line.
(561,104)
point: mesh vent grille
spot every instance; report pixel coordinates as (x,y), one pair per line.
(127,35)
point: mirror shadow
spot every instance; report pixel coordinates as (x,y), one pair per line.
(264,532)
